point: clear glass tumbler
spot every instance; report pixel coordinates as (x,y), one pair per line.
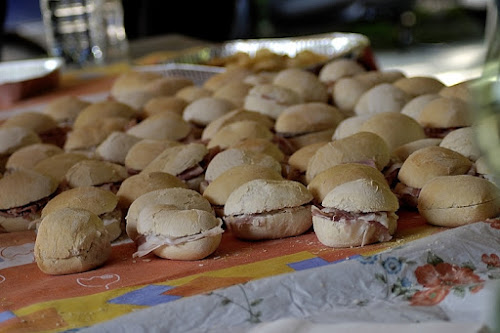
(85,32)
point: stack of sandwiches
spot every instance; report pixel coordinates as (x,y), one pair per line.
(177,168)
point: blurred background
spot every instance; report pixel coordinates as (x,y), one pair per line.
(449,33)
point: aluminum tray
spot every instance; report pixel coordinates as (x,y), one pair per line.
(197,73)
(333,45)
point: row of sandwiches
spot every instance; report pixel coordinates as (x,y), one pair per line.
(173,166)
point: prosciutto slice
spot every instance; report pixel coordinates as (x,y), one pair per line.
(150,242)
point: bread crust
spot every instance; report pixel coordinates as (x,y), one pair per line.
(205,110)
(451,201)
(71,241)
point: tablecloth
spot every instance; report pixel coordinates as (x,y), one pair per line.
(446,269)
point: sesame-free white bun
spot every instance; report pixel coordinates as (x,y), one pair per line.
(176,159)
(374,77)
(70,241)
(96,111)
(445,112)
(300,158)
(463,141)
(192,93)
(95,173)
(459,90)
(304,83)
(394,127)
(347,91)
(362,195)
(116,146)
(429,162)
(36,121)
(136,88)
(349,126)
(28,156)
(328,179)
(359,147)
(187,234)
(205,110)
(221,187)
(14,138)
(339,68)
(21,188)
(65,109)
(451,201)
(161,126)
(402,152)
(268,209)
(181,198)
(57,166)
(101,202)
(419,85)
(239,131)
(164,104)
(383,97)
(233,157)
(261,145)
(234,93)
(270,99)
(137,185)
(144,151)
(234,116)
(416,104)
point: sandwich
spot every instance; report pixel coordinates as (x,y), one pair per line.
(234,93)
(162,126)
(374,77)
(28,156)
(394,127)
(239,131)
(58,165)
(355,211)
(384,97)
(443,115)
(95,112)
(362,147)
(65,109)
(349,126)
(205,110)
(260,145)
(268,209)
(336,69)
(98,173)
(144,151)
(296,167)
(192,93)
(482,169)
(416,104)
(164,104)
(71,241)
(23,194)
(234,116)
(402,152)
(270,99)
(306,84)
(306,123)
(229,76)
(452,201)
(42,124)
(178,197)
(422,166)
(100,202)
(136,185)
(188,162)
(262,77)
(463,141)
(346,92)
(12,139)
(221,187)
(233,157)
(459,90)
(86,139)
(136,88)
(177,234)
(116,146)
(419,85)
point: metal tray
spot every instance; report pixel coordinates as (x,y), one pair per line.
(197,73)
(332,45)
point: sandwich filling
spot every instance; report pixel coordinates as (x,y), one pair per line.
(30,211)
(407,195)
(379,220)
(257,218)
(149,242)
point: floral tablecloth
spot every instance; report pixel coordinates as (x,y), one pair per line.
(424,274)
